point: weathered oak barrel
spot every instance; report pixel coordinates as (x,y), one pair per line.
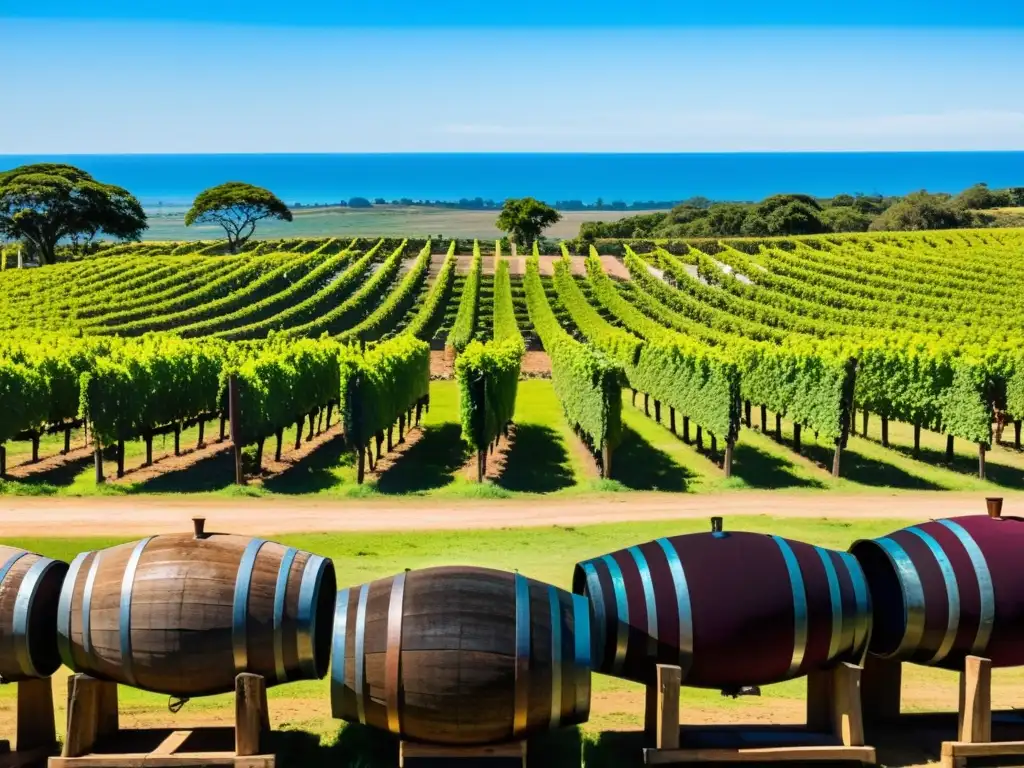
(461,655)
(731,609)
(947,589)
(183,614)
(29,589)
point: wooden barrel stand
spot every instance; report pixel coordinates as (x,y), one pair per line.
(36,732)
(834,731)
(94,736)
(410,751)
(973,737)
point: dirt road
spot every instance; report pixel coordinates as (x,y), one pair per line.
(142,515)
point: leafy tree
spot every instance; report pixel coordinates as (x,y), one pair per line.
(920,211)
(979,197)
(795,218)
(1015,195)
(359,202)
(45,203)
(525,218)
(845,219)
(843,201)
(726,219)
(237,207)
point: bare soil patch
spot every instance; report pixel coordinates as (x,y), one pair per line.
(442,364)
(49,463)
(290,455)
(536,365)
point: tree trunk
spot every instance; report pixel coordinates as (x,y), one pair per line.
(949,449)
(177,440)
(319,421)
(746,412)
(380,442)
(606,461)
(835,458)
(223,427)
(672,419)
(298,433)
(657,411)
(202,431)
(647,404)
(981,461)
(330,408)
(864,423)
(686,429)
(361,466)
(3,460)
(714,446)
(778,427)
(401,428)
(727,462)
(310,435)
(634,397)
(1016,434)
(391,436)
(120,458)
(259,455)
(35,447)
(700,439)
(764,420)
(796,438)
(149,450)
(280,438)
(481,464)
(67,440)
(853,420)
(97,456)
(917,440)
(885,431)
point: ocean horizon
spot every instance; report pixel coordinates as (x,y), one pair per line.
(308,179)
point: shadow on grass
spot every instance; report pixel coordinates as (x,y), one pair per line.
(536,462)
(640,466)
(866,471)
(57,477)
(213,473)
(431,463)
(615,749)
(760,469)
(315,471)
(995,472)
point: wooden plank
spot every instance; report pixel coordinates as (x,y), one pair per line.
(172,743)
(819,701)
(83,715)
(990,749)
(250,694)
(408,750)
(759,755)
(147,760)
(669,678)
(35,715)
(976,701)
(847,714)
(24,757)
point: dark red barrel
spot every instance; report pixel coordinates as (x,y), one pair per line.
(947,589)
(731,609)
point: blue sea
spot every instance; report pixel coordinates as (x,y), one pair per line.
(170,180)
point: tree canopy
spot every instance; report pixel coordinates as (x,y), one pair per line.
(523,219)
(237,207)
(45,203)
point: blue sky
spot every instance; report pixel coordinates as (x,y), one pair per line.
(109,76)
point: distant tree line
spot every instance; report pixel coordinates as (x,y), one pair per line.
(481,204)
(794,214)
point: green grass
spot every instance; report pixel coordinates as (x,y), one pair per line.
(547,459)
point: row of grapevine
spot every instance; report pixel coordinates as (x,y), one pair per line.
(469,305)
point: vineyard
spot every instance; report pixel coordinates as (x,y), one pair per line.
(338,337)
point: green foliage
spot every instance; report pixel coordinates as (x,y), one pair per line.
(488,374)
(237,207)
(587,383)
(523,219)
(966,409)
(469,305)
(845,219)
(48,202)
(428,317)
(920,211)
(381,384)
(23,393)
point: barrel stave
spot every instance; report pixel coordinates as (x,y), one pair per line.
(29,593)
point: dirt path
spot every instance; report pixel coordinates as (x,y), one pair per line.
(141,515)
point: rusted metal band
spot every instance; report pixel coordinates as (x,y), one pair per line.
(556,657)
(862,619)
(796,582)
(240,605)
(683,607)
(360,660)
(522,684)
(338,655)
(23,603)
(622,611)
(64,605)
(125,617)
(280,598)
(988,595)
(952,594)
(913,596)
(90,581)
(582,654)
(838,636)
(393,655)
(309,598)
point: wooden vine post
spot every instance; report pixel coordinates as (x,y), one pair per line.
(764,419)
(917,440)
(35,730)
(1016,434)
(727,461)
(949,449)
(836,457)
(606,460)
(796,438)
(885,431)
(981,461)
(234,410)
(3,460)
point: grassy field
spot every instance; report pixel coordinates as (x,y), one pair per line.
(416,221)
(301,711)
(547,458)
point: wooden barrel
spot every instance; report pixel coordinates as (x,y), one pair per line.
(29,589)
(183,614)
(461,655)
(947,589)
(731,609)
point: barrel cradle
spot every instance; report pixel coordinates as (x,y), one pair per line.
(29,590)
(730,609)
(183,614)
(461,656)
(948,589)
